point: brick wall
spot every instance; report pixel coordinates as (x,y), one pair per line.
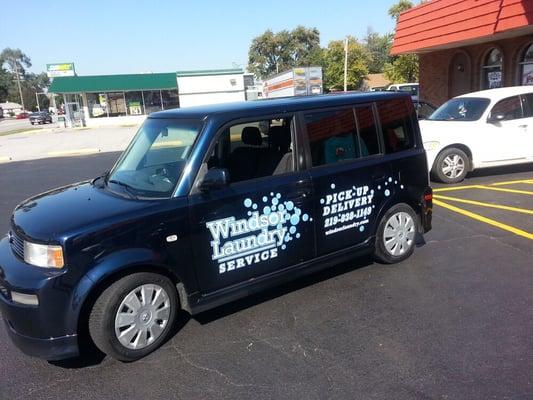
(435,67)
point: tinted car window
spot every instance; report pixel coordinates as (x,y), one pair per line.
(510,108)
(461,109)
(395,118)
(332,136)
(368,135)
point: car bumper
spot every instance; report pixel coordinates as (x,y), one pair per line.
(44,330)
(51,349)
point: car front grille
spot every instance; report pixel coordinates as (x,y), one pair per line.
(17,244)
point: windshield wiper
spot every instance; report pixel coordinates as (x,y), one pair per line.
(128,188)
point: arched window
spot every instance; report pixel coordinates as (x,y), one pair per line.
(491,71)
(526,66)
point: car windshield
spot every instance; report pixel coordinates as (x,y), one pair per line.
(154,161)
(461,109)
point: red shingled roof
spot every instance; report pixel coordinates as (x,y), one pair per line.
(452,23)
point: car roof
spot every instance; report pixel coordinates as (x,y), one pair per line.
(499,93)
(278,105)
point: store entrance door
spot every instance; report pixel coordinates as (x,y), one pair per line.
(74,115)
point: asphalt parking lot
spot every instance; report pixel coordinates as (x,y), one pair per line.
(455,321)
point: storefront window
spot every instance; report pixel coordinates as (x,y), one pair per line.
(526,66)
(152,101)
(97,104)
(170,99)
(134,103)
(491,70)
(116,103)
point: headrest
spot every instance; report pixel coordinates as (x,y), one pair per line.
(280,138)
(252,136)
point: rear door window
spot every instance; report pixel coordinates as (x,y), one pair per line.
(395,118)
(342,134)
(510,108)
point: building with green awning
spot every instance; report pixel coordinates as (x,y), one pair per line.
(91,99)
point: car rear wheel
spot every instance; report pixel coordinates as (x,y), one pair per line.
(396,234)
(134,316)
(451,165)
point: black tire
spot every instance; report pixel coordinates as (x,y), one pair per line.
(463,163)
(104,311)
(381,253)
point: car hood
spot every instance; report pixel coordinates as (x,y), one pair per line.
(62,212)
(443,131)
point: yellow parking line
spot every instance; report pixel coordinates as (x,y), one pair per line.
(73,152)
(529,181)
(497,189)
(449,189)
(486,220)
(479,203)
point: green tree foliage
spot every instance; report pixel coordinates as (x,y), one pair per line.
(10,61)
(396,9)
(271,52)
(378,47)
(333,64)
(403,68)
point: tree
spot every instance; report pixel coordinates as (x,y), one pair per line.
(271,52)
(396,9)
(378,47)
(358,59)
(403,68)
(15,60)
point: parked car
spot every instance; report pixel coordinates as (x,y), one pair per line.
(207,205)
(477,130)
(40,117)
(411,88)
(22,115)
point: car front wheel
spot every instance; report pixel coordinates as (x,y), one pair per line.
(451,165)
(134,316)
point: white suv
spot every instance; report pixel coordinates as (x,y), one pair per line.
(478,130)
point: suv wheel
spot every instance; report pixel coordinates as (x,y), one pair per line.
(396,234)
(451,165)
(134,316)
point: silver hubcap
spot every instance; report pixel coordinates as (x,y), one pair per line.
(142,316)
(399,233)
(453,166)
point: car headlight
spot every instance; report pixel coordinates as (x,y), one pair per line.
(42,255)
(431,145)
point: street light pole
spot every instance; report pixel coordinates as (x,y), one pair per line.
(346,64)
(37,98)
(18,82)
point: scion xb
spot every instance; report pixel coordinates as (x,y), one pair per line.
(207,205)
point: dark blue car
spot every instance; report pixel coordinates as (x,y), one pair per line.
(208,205)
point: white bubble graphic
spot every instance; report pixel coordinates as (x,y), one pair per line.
(247,202)
(332,186)
(387,192)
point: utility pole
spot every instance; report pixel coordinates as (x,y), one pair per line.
(346,64)
(18,82)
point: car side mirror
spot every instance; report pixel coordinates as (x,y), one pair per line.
(496,118)
(214,178)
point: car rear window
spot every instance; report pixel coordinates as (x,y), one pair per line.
(395,117)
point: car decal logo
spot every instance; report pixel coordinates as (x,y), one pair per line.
(269,226)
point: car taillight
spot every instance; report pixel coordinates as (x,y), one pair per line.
(428,196)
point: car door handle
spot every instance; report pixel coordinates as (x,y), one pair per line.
(522,126)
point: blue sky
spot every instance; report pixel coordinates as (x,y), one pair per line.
(116,36)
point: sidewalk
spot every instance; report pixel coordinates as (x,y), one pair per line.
(59,142)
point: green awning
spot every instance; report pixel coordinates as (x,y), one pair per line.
(111,83)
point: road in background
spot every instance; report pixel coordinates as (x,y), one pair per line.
(452,322)
(60,142)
